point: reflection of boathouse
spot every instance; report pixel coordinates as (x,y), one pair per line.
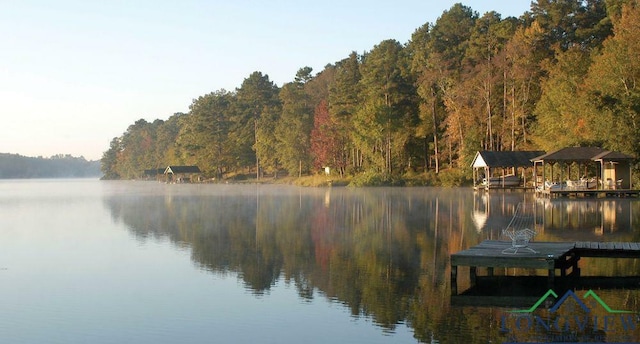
(588,218)
(492,211)
(564,219)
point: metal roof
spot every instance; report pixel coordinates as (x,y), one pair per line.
(154,171)
(182,169)
(582,154)
(610,156)
(505,158)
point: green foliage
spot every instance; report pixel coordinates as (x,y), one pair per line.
(344,101)
(109,161)
(203,139)
(166,152)
(612,88)
(453,177)
(563,74)
(376,179)
(562,113)
(256,101)
(134,148)
(412,178)
(450,36)
(572,22)
(382,126)
(294,128)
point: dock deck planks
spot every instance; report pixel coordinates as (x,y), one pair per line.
(489,253)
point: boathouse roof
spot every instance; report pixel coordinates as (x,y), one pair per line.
(153,172)
(181,169)
(505,158)
(583,154)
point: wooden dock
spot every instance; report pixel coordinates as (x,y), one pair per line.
(549,256)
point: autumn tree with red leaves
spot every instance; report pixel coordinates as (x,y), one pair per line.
(327,146)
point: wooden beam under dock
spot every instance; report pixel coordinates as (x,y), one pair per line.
(550,256)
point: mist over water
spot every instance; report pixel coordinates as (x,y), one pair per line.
(145,262)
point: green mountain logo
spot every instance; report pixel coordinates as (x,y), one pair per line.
(570,295)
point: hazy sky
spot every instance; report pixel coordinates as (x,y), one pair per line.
(76,73)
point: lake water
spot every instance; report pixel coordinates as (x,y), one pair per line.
(86,261)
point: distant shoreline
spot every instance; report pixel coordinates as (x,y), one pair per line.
(15,166)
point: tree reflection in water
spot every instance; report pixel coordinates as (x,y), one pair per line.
(382,252)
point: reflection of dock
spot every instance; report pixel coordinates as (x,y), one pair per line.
(548,256)
(523,291)
(578,193)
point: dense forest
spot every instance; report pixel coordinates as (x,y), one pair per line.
(16,166)
(565,73)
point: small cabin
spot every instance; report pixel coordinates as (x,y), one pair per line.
(182,174)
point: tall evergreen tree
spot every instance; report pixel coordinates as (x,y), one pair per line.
(344,101)
(562,117)
(449,41)
(429,76)
(382,124)
(613,84)
(571,22)
(135,147)
(294,127)
(482,88)
(109,161)
(203,138)
(166,152)
(522,74)
(256,97)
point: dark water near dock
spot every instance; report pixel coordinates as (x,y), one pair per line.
(143,262)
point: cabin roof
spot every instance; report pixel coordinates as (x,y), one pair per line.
(154,171)
(505,158)
(181,169)
(611,156)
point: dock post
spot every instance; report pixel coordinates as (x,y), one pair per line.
(454,280)
(552,270)
(490,271)
(473,273)
(575,269)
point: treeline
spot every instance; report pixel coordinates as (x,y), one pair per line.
(14,166)
(563,74)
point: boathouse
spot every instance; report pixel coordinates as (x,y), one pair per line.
(499,169)
(181,174)
(582,169)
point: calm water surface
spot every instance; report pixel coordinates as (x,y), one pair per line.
(84,261)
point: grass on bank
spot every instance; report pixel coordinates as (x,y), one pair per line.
(448,178)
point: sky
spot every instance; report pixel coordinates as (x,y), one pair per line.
(74,74)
